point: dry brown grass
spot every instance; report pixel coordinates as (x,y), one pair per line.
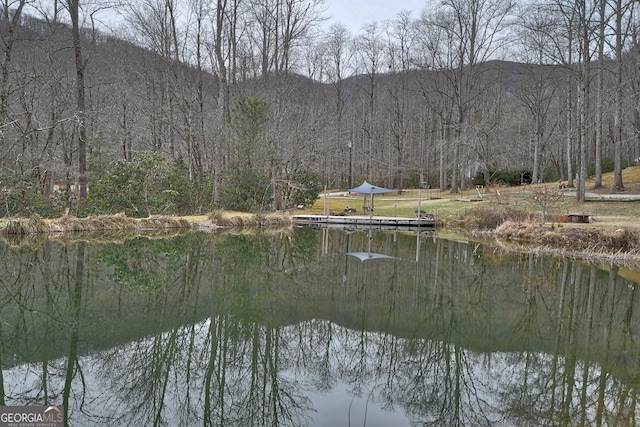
(487,218)
(275,220)
(24,226)
(589,239)
(514,231)
(620,247)
(122,223)
(164,222)
(630,175)
(226,219)
(102,223)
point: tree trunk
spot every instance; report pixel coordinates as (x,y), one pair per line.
(583,102)
(80,99)
(599,95)
(617,138)
(569,134)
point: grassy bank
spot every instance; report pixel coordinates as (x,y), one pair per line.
(524,218)
(122,223)
(540,202)
(71,224)
(515,216)
(449,207)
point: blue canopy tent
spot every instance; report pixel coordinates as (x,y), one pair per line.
(368,189)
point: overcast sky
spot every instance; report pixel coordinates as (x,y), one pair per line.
(353,14)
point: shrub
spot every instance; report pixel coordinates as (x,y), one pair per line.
(245,190)
(303,189)
(23,197)
(623,240)
(148,185)
(506,177)
(488,219)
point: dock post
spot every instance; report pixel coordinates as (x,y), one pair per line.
(326,201)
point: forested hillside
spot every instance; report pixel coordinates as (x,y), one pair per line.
(193,104)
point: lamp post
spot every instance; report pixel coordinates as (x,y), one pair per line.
(350,145)
(364,130)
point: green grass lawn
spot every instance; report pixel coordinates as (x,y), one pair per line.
(445,204)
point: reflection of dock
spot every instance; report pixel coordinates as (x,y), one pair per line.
(357,221)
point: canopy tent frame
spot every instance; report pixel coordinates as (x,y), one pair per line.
(369,190)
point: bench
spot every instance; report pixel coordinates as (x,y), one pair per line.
(580,218)
(576,218)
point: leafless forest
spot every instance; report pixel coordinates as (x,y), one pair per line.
(272,90)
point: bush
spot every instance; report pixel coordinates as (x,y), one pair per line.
(506,177)
(23,197)
(245,190)
(303,189)
(622,240)
(488,219)
(606,164)
(412,180)
(147,185)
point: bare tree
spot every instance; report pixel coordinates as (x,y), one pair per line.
(299,17)
(368,61)
(11,14)
(599,113)
(10,20)
(170,86)
(540,90)
(583,105)
(74,9)
(623,16)
(279,27)
(465,34)
(338,55)
(579,19)
(634,84)
(224,36)
(399,46)
(565,31)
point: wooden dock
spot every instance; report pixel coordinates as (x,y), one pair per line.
(364,221)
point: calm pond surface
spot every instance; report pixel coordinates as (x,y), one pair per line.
(295,329)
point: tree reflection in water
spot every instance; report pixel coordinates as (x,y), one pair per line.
(286,329)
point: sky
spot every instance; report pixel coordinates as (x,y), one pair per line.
(353,14)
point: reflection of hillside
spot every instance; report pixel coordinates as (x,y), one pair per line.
(228,371)
(450,295)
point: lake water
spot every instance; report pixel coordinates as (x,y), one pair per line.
(316,328)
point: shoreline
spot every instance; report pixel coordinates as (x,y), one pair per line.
(597,242)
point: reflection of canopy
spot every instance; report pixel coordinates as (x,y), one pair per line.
(366,188)
(364,256)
